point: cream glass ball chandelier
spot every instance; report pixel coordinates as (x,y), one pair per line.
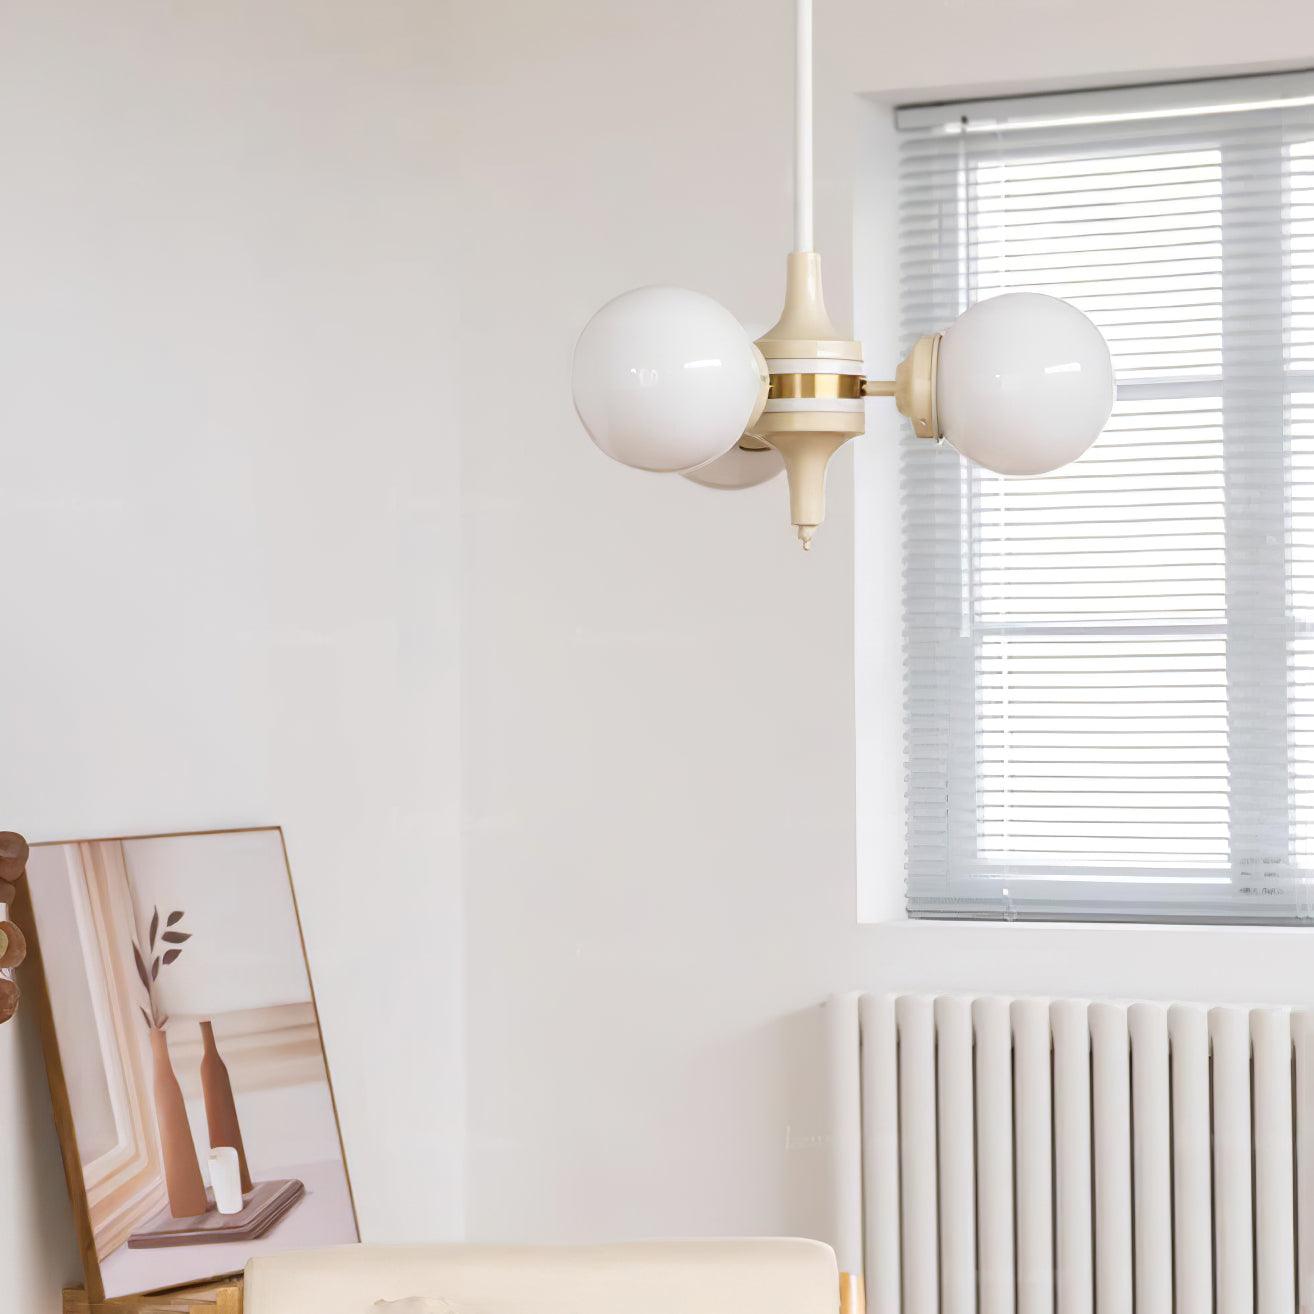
(667,380)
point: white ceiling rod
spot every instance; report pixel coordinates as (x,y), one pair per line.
(803,126)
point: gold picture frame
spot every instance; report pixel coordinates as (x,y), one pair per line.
(173,994)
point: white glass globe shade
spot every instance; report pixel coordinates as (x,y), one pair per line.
(739,468)
(1024,383)
(666,379)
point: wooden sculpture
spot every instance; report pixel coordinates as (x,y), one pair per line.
(13,947)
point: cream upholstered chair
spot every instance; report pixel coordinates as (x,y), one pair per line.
(649,1277)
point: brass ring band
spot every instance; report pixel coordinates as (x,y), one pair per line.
(828,387)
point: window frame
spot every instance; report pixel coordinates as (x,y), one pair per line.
(878,907)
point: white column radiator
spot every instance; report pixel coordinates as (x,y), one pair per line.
(1034,1156)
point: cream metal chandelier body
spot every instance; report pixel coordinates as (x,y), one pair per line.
(667,380)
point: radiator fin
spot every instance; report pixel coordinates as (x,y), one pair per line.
(994,1156)
(1152,1172)
(1033,1130)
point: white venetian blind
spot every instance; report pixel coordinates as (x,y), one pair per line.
(1110,670)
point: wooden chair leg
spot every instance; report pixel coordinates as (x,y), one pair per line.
(852,1294)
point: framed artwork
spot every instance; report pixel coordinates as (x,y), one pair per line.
(191,1092)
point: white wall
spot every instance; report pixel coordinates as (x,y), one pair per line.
(229,517)
(656,680)
(290,292)
(658,687)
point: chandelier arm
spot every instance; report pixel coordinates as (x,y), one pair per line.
(879,387)
(803,126)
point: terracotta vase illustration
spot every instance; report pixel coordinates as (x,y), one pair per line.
(220,1110)
(182,1172)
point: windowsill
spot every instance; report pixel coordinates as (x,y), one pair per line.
(993,927)
(1207,964)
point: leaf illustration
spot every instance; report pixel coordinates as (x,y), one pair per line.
(175,937)
(170,955)
(155,969)
(146,1017)
(164,1021)
(155,926)
(141,966)
(173,917)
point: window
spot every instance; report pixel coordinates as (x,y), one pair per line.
(1110,670)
